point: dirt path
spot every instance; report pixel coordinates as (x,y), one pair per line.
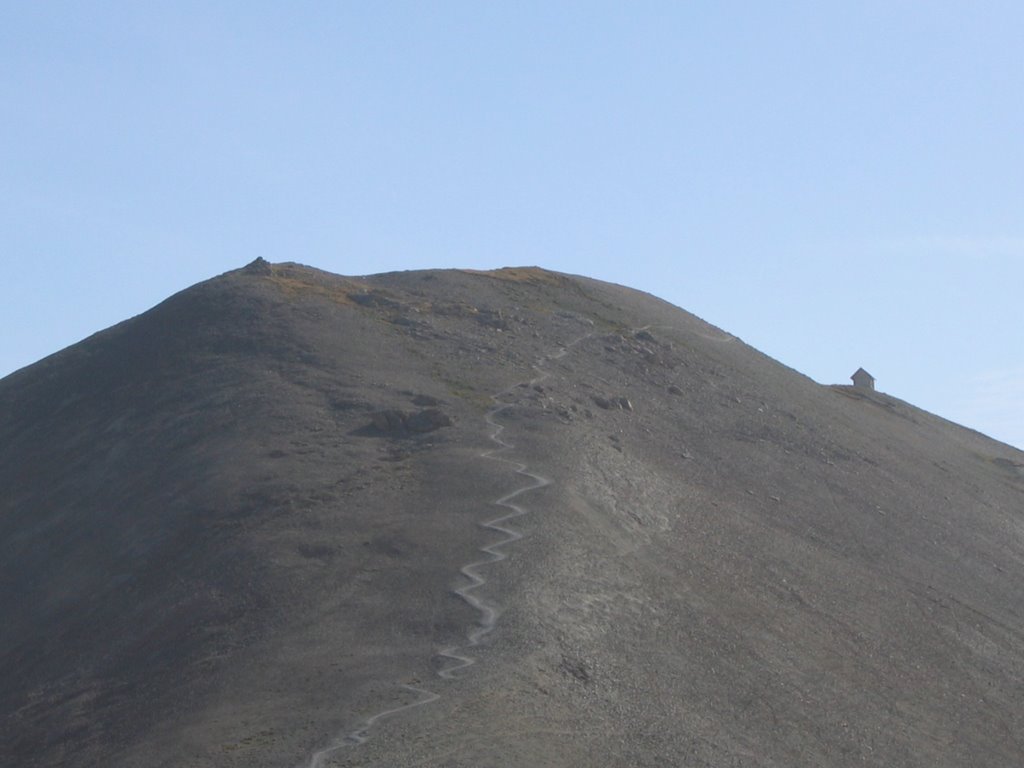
(457,655)
(489,611)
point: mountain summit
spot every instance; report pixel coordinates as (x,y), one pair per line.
(510,518)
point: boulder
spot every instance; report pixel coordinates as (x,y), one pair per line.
(612,403)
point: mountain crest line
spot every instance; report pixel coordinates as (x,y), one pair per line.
(488,611)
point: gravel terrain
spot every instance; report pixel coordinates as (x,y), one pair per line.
(449,519)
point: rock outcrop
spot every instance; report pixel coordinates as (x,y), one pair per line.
(395,421)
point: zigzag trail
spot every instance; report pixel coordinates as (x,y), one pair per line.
(489,612)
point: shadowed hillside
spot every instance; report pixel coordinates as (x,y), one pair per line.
(509,518)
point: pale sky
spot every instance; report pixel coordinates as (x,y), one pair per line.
(839,184)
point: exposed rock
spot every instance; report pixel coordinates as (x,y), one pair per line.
(408,322)
(426,401)
(374,299)
(650,356)
(392,420)
(566,314)
(428,420)
(612,403)
(492,319)
(575,668)
(453,309)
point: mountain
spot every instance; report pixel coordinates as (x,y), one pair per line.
(511,518)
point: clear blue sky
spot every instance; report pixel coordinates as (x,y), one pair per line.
(839,184)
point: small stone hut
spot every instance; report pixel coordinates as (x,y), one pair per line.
(863,380)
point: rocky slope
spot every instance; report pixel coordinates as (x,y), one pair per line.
(512,518)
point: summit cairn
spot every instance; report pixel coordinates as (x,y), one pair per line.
(259,266)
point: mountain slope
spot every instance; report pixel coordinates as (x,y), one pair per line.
(235,525)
